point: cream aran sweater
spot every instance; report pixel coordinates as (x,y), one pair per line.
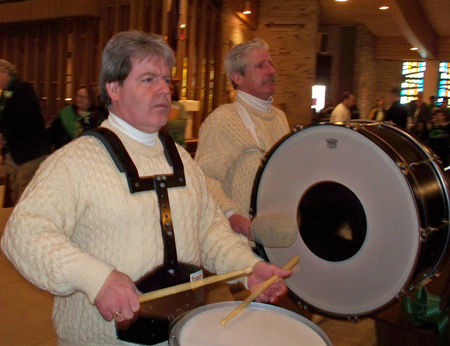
(229,155)
(77,221)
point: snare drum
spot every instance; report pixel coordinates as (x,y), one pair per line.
(372,207)
(257,325)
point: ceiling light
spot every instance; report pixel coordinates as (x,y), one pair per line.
(383,7)
(248,8)
(341,0)
(414,48)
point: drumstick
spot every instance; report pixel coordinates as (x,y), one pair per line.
(193,285)
(265,285)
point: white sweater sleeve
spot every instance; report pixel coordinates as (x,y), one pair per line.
(37,236)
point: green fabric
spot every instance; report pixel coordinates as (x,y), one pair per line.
(424,310)
(177,127)
(71,122)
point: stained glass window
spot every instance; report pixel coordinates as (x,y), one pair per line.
(444,81)
(413,76)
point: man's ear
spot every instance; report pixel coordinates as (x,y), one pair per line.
(113,89)
(236,77)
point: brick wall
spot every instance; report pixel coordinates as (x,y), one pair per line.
(291,29)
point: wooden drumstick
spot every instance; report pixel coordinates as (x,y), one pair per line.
(193,285)
(265,285)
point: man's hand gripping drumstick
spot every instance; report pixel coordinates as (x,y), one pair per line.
(193,285)
(269,285)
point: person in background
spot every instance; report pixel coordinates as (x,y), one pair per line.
(397,113)
(22,131)
(177,117)
(431,104)
(417,112)
(89,227)
(74,119)
(343,111)
(378,113)
(439,135)
(234,137)
(325,112)
(444,107)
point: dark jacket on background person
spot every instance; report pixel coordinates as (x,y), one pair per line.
(21,122)
(397,114)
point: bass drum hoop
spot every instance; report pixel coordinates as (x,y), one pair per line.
(359,279)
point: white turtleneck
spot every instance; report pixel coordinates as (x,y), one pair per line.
(145,138)
(259,104)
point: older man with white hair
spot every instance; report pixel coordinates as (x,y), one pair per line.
(235,136)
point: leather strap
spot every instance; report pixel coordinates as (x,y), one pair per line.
(159,183)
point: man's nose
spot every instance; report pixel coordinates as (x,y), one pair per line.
(164,87)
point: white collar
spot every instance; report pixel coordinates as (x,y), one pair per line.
(145,138)
(256,102)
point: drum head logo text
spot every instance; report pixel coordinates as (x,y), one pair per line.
(331,143)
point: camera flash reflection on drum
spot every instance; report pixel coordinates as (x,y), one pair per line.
(333,222)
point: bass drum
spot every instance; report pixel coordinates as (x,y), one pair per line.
(372,207)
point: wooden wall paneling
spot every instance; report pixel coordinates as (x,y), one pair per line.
(14,48)
(124,21)
(43,66)
(191,26)
(209,44)
(136,14)
(217,49)
(152,18)
(95,51)
(76,66)
(165,10)
(33,76)
(3,37)
(26,41)
(47,67)
(61,40)
(116,19)
(200,63)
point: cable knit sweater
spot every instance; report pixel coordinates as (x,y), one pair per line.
(77,221)
(229,155)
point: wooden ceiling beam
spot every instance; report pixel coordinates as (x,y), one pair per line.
(417,30)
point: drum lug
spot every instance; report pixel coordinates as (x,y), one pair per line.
(354,319)
(401,294)
(297,128)
(404,167)
(425,233)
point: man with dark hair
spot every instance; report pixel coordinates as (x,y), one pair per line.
(343,111)
(22,129)
(125,209)
(397,113)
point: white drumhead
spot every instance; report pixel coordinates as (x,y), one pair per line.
(376,273)
(258,325)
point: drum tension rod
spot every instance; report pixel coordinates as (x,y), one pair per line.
(406,167)
(426,232)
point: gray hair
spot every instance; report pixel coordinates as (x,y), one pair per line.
(122,49)
(236,62)
(5,65)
